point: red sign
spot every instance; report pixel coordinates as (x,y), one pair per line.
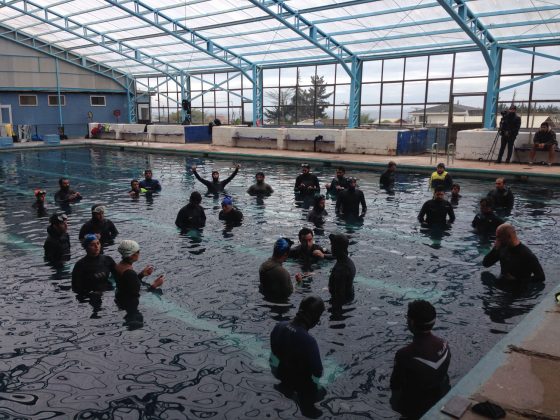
(117,113)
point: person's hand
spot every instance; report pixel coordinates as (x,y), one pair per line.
(338,188)
(149,269)
(299,277)
(318,253)
(497,244)
(327,186)
(158,282)
(193,168)
(362,215)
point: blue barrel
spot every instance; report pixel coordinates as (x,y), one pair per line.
(6,142)
(52,139)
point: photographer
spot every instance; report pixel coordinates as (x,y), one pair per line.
(509,128)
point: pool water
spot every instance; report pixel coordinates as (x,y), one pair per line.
(203,349)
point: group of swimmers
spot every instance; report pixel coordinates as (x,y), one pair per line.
(419,376)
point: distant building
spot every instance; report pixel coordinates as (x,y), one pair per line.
(438,115)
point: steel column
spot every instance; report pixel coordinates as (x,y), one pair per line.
(257,96)
(492,88)
(355,93)
(58,91)
(131,99)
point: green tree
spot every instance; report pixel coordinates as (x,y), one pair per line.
(311,103)
(365,118)
(281,112)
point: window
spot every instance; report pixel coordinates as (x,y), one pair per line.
(53,100)
(97,100)
(28,100)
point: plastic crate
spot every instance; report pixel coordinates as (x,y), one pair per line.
(6,142)
(52,139)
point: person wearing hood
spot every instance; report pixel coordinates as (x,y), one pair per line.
(338,183)
(274,280)
(57,244)
(387,179)
(192,215)
(65,195)
(215,186)
(260,187)
(91,273)
(318,213)
(341,280)
(99,225)
(295,358)
(149,184)
(349,200)
(306,183)
(486,222)
(230,214)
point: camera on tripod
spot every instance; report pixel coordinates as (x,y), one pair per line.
(500,126)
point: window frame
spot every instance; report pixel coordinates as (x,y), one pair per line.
(36,100)
(56,96)
(97,96)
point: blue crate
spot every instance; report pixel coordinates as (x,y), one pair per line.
(6,142)
(197,134)
(52,139)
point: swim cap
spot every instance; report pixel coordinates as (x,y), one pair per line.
(98,208)
(310,310)
(351,179)
(423,313)
(38,192)
(90,237)
(339,243)
(196,197)
(58,218)
(128,247)
(282,245)
(305,165)
(227,201)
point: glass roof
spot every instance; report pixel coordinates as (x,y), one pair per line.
(139,37)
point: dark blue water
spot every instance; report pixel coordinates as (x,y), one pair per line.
(203,350)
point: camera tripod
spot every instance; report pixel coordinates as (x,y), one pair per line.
(493,148)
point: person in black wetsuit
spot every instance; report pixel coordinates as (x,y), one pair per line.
(98,224)
(501,196)
(387,179)
(517,262)
(341,280)
(65,195)
(260,187)
(455,195)
(434,212)
(295,357)
(419,377)
(274,280)
(149,184)
(509,128)
(192,215)
(129,282)
(215,186)
(486,222)
(39,203)
(57,244)
(338,183)
(318,213)
(135,189)
(349,200)
(307,251)
(230,214)
(306,182)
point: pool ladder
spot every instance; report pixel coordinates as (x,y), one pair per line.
(450,153)
(433,152)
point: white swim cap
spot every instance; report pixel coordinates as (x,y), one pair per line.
(128,248)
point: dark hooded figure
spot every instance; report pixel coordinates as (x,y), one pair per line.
(295,357)
(341,280)
(57,244)
(318,213)
(99,225)
(191,216)
(215,186)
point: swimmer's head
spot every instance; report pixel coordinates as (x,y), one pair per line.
(195,198)
(305,168)
(421,316)
(439,193)
(59,221)
(310,310)
(392,166)
(305,236)
(319,202)
(215,175)
(340,171)
(128,248)
(148,174)
(98,211)
(39,192)
(259,176)
(440,168)
(282,247)
(64,183)
(352,183)
(227,201)
(91,244)
(135,184)
(339,244)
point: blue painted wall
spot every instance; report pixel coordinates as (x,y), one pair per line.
(74,113)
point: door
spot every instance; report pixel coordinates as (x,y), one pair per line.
(5,118)
(465,113)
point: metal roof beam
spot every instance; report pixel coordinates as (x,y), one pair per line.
(194,39)
(530,52)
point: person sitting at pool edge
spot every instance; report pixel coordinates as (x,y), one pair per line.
(307,250)
(135,189)
(229,213)
(545,139)
(517,262)
(501,196)
(318,213)
(341,279)
(57,244)
(387,179)
(192,215)
(419,377)
(274,280)
(149,184)
(295,358)
(486,222)
(215,186)
(338,183)
(260,187)
(98,224)
(306,182)
(349,200)
(65,195)
(441,177)
(434,211)
(91,273)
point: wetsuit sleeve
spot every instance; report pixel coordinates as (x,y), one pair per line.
(475,221)
(397,376)
(316,184)
(157,186)
(250,190)
(202,217)
(77,277)
(179,219)
(83,231)
(229,178)
(422,213)
(113,230)
(430,180)
(338,203)
(269,189)
(509,199)
(315,365)
(298,181)
(517,126)
(536,268)
(448,182)
(363,201)
(491,258)
(450,213)
(204,181)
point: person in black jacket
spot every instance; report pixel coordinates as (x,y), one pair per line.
(501,196)
(192,215)
(509,128)
(230,214)
(307,251)
(215,186)
(435,211)
(486,222)
(306,183)
(387,179)
(65,195)
(349,201)
(99,225)
(57,244)
(545,139)
(338,183)
(517,262)
(318,213)
(341,280)
(91,273)
(419,377)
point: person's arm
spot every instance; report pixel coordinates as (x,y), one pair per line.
(113,230)
(314,358)
(536,268)
(450,213)
(363,202)
(422,214)
(83,231)
(179,220)
(269,189)
(204,181)
(316,185)
(430,181)
(448,182)
(475,221)
(297,187)
(229,178)
(77,277)
(509,198)
(517,126)
(338,203)
(202,217)
(157,186)
(397,376)
(491,258)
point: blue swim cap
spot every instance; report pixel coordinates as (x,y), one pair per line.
(90,237)
(227,201)
(282,245)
